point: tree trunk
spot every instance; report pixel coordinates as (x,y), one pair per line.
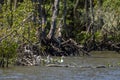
(15,4)
(86,15)
(92,22)
(54,17)
(42,15)
(64,17)
(92,16)
(64,13)
(64,23)
(100,15)
(10,21)
(75,10)
(40,8)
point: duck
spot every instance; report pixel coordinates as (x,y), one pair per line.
(57,63)
(38,58)
(61,59)
(49,59)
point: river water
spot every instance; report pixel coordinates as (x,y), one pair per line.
(109,59)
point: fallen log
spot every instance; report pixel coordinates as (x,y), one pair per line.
(56,65)
(61,65)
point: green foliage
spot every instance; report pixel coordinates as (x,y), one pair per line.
(111,14)
(111,4)
(98,36)
(14,19)
(82,37)
(8,50)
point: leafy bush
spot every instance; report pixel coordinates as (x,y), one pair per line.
(8,51)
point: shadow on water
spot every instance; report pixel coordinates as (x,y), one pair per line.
(69,73)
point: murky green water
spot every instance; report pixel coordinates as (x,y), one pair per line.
(70,73)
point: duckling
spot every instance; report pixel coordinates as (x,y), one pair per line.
(109,65)
(42,61)
(49,59)
(61,59)
(38,58)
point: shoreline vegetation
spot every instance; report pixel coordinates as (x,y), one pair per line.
(30,29)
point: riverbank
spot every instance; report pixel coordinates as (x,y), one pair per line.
(44,60)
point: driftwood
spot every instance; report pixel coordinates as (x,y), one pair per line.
(64,65)
(113,46)
(66,48)
(27,59)
(56,65)
(76,46)
(28,52)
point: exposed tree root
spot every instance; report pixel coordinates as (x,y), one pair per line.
(28,54)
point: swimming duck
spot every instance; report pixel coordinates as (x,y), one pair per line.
(58,60)
(38,58)
(61,59)
(49,59)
